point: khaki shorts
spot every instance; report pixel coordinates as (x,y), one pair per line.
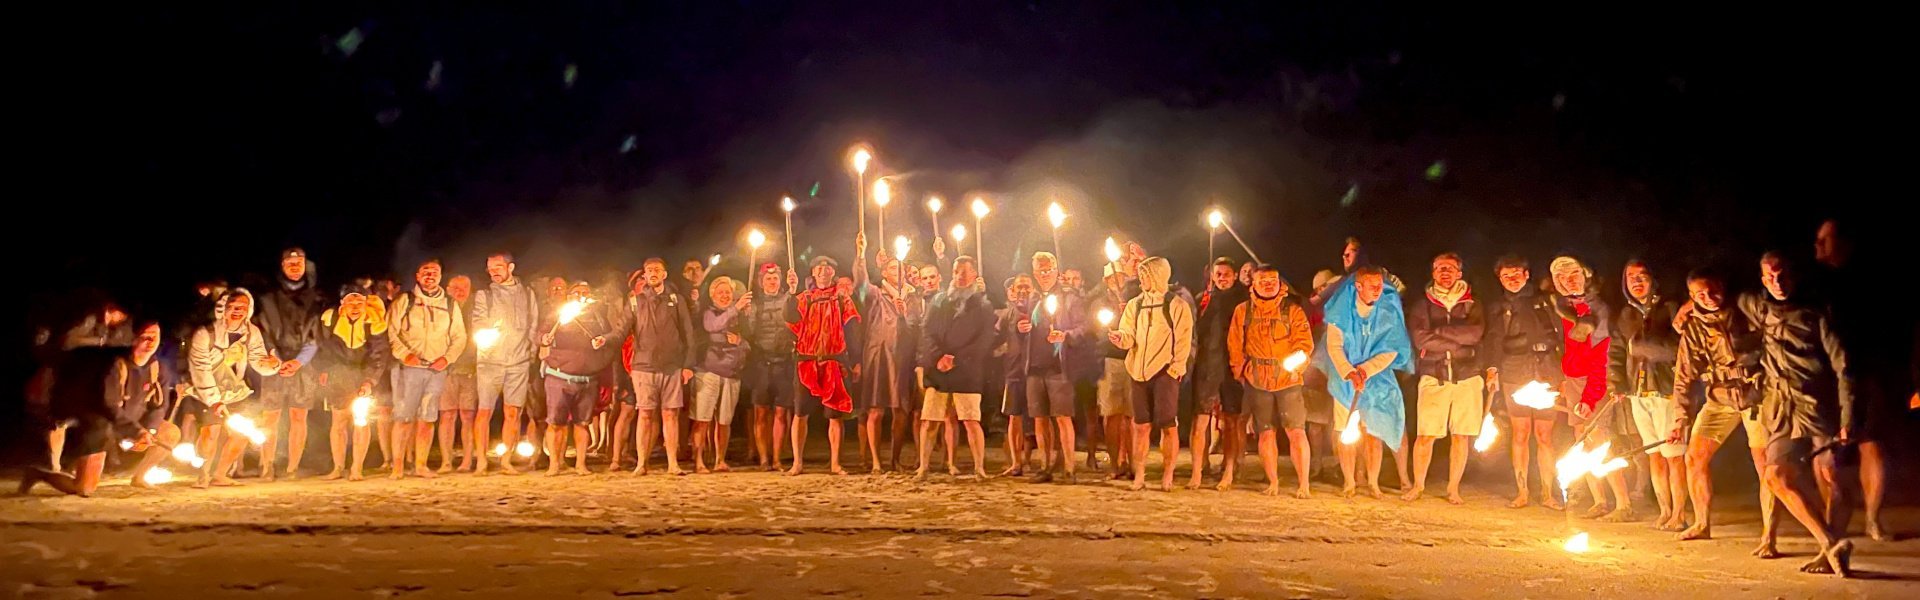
(1116,389)
(1450,408)
(936,405)
(1653,417)
(461,393)
(1716,422)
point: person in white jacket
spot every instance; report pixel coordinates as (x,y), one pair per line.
(1156,330)
(218,356)
(426,332)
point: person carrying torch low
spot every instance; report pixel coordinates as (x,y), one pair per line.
(218,356)
(1522,347)
(505,325)
(132,411)
(581,345)
(1366,344)
(1587,334)
(352,359)
(1268,342)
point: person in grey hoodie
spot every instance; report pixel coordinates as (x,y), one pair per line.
(426,333)
(664,353)
(505,324)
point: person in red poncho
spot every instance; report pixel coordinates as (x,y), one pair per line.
(820,347)
(1585,331)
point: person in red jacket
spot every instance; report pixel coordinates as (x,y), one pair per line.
(1585,324)
(820,346)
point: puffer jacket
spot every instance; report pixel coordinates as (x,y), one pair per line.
(722,358)
(429,327)
(288,315)
(1260,337)
(1721,350)
(1641,359)
(1446,341)
(1801,357)
(1520,325)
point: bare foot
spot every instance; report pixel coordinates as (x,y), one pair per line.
(954,471)
(795,471)
(1013,471)
(1272,489)
(293,475)
(979,475)
(1878,533)
(1455,499)
(1840,558)
(140,483)
(509,469)
(770,468)
(837,471)
(1374,492)
(1347,492)
(551,471)
(701,469)
(1700,531)
(333,475)
(1120,475)
(1166,486)
(1553,503)
(1137,485)
(641,471)
(355,476)
(423,472)
(267,476)
(1519,501)
(1194,483)
(397,474)
(1303,493)
(877,471)
(919,475)
(1623,514)
(1597,511)
(582,471)
(1226,485)
(676,471)
(225,482)
(466,466)
(1412,494)
(1766,551)
(445,468)
(1675,523)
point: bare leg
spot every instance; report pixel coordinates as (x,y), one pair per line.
(383,430)
(1676,485)
(722,431)
(1456,468)
(622,431)
(1657,479)
(1422,459)
(556,437)
(1349,455)
(85,477)
(362,437)
(1790,487)
(925,450)
(56,445)
(1622,502)
(873,420)
(422,446)
(1700,485)
(1522,428)
(1016,437)
(296,440)
(1769,519)
(897,436)
(580,436)
(670,424)
(1043,441)
(780,423)
(645,431)
(510,434)
(539,433)
(1873,485)
(1063,428)
(449,426)
(1376,452)
(1270,461)
(1097,439)
(270,449)
(1302,454)
(702,435)
(1203,424)
(1169,456)
(1400,462)
(977,447)
(1549,475)
(339,432)
(951,433)
(835,431)
(1141,434)
(799,433)
(402,435)
(479,441)
(1119,430)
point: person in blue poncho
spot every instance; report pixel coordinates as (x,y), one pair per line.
(1366,343)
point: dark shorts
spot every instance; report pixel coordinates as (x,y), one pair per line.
(1157,401)
(1286,409)
(537,395)
(769,384)
(1516,372)
(296,392)
(1049,394)
(569,403)
(1218,394)
(1794,428)
(1013,398)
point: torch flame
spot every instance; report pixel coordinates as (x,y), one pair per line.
(1536,395)
(900,247)
(1052,304)
(860,158)
(980,208)
(1577,544)
(570,311)
(1113,250)
(882,192)
(185,453)
(361,406)
(934,204)
(484,339)
(524,449)
(1295,361)
(959,232)
(1488,435)
(1215,218)
(499,449)
(126,444)
(1351,434)
(244,426)
(1580,462)
(157,476)
(713,260)
(1105,317)
(1056,215)
(786,203)
(756,239)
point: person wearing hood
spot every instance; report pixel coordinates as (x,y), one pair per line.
(769,379)
(716,384)
(1265,331)
(574,353)
(1447,329)
(507,314)
(132,411)
(821,350)
(1640,364)
(1057,336)
(1366,345)
(665,351)
(1156,330)
(288,315)
(426,332)
(218,357)
(1015,325)
(353,357)
(956,346)
(1523,347)
(1217,398)
(1806,402)
(886,380)
(1718,349)
(1586,335)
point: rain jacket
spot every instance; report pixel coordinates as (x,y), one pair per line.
(1156,328)
(1260,337)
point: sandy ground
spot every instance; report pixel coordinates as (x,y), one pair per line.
(759,535)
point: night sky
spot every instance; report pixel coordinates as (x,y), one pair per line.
(196,141)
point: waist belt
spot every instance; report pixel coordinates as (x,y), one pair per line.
(565,376)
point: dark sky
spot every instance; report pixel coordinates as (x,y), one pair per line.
(197,139)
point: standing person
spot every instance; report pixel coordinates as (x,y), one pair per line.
(1447,330)
(716,384)
(427,332)
(1015,326)
(1217,397)
(1523,346)
(693,278)
(1871,337)
(955,348)
(574,355)
(1719,349)
(1053,349)
(1156,329)
(511,310)
(820,349)
(460,402)
(1806,402)
(1586,328)
(1641,367)
(664,353)
(288,313)
(769,377)
(1113,400)
(1366,343)
(1264,332)
(353,358)
(218,357)
(929,288)
(109,394)
(886,381)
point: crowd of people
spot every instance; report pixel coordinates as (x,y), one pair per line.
(577,369)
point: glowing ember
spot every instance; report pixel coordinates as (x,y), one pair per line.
(499,449)
(1052,304)
(1113,250)
(361,406)
(1577,544)
(126,444)
(1351,434)
(157,476)
(1295,361)
(186,453)
(1056,215)
(1488,435)
(571,310)
(1105,317)
(1536,395)
(524,449)
(245,427)
(484,339)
